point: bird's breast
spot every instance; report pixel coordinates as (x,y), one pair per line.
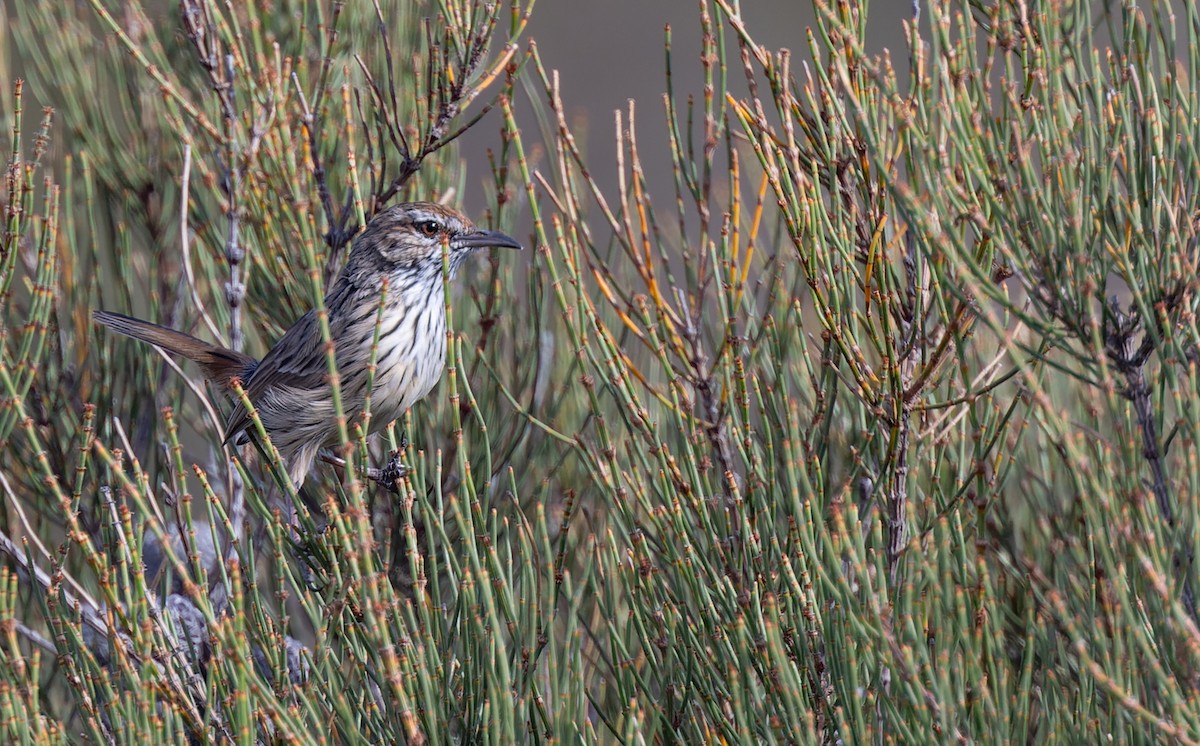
(410,357)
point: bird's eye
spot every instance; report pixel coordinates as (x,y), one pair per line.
(429,227)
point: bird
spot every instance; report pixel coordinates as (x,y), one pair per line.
(289,388)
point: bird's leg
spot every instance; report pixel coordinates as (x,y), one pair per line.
(335,461)
(387,477)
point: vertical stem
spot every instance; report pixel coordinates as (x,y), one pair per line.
(898,499)
(1139,393)
(235,290)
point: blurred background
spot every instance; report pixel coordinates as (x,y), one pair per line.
(608,53)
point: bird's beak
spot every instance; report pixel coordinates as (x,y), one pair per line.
(483,239)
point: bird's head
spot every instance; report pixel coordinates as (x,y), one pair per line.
(410,237)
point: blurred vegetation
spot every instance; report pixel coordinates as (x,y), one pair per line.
(880,428)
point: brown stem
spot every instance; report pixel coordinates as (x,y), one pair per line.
(1139,393)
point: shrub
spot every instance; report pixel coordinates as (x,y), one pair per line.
(879,428)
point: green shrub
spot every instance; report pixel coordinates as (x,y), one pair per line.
(880,427)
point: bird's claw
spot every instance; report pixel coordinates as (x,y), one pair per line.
(390,475)
(387,477)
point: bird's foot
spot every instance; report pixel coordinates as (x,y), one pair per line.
(388,476)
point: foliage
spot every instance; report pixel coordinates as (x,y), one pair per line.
(879,428)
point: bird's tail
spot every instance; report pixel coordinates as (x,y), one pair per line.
(220,365)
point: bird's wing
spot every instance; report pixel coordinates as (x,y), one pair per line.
(297,361)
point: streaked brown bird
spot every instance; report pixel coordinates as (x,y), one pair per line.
(290,387)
